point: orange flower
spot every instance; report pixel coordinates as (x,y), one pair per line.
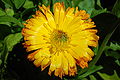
(60,39)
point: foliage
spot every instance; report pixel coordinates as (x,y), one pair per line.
(109,77)
(13,14)
(113,51)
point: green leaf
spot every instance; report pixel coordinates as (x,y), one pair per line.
(2,13)
(114,54)
(9,43)
(7,2)
(4,31)
(84,79)
(104,76)
(87,5)
(76,2)
(6,23)
(114,46)
(28,4)
(90,6)
(96,12)
(98,9)
(95,50)
(26,11)
(92,77)
(90,71)
(117,62)
(18,3)
(99,4)
(4,55)
(9,12)
(116,9)
(10,19)
(12,40)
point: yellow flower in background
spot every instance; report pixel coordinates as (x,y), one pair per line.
(60,39)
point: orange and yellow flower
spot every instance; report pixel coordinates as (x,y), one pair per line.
(60,39)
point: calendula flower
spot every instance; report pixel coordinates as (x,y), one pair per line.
(60,39)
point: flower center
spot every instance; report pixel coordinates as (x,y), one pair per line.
(59,40)
(60,36)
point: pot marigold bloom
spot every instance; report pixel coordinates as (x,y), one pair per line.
(60,39)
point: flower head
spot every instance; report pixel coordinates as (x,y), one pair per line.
(60,39)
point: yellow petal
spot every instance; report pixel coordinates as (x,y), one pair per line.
(43,53)
(56,12)
(82,52)
(52,65)
(73,54)
(51,21)
(90,52)
(70,59)
(65,64)
(34,47)
(31,56)
(71,63)
(45,63)
(58,60)
(68,18)
(37,62)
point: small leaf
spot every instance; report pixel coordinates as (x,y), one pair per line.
(114,54)
(92,77)
(96,12)
(26,11)
(117,62)
(18,3)
(87,5)
(113,50)
(12,40)
(84,79)
(6,23)
(90,71)
(10,19)
(116,9)
(2,13)
(4,55)
(76,2)
(10,12)
(9,43)
(114,46)
(7,2)
(104,76)
(93,7)
(98,4)
(95,50)
(28,4)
